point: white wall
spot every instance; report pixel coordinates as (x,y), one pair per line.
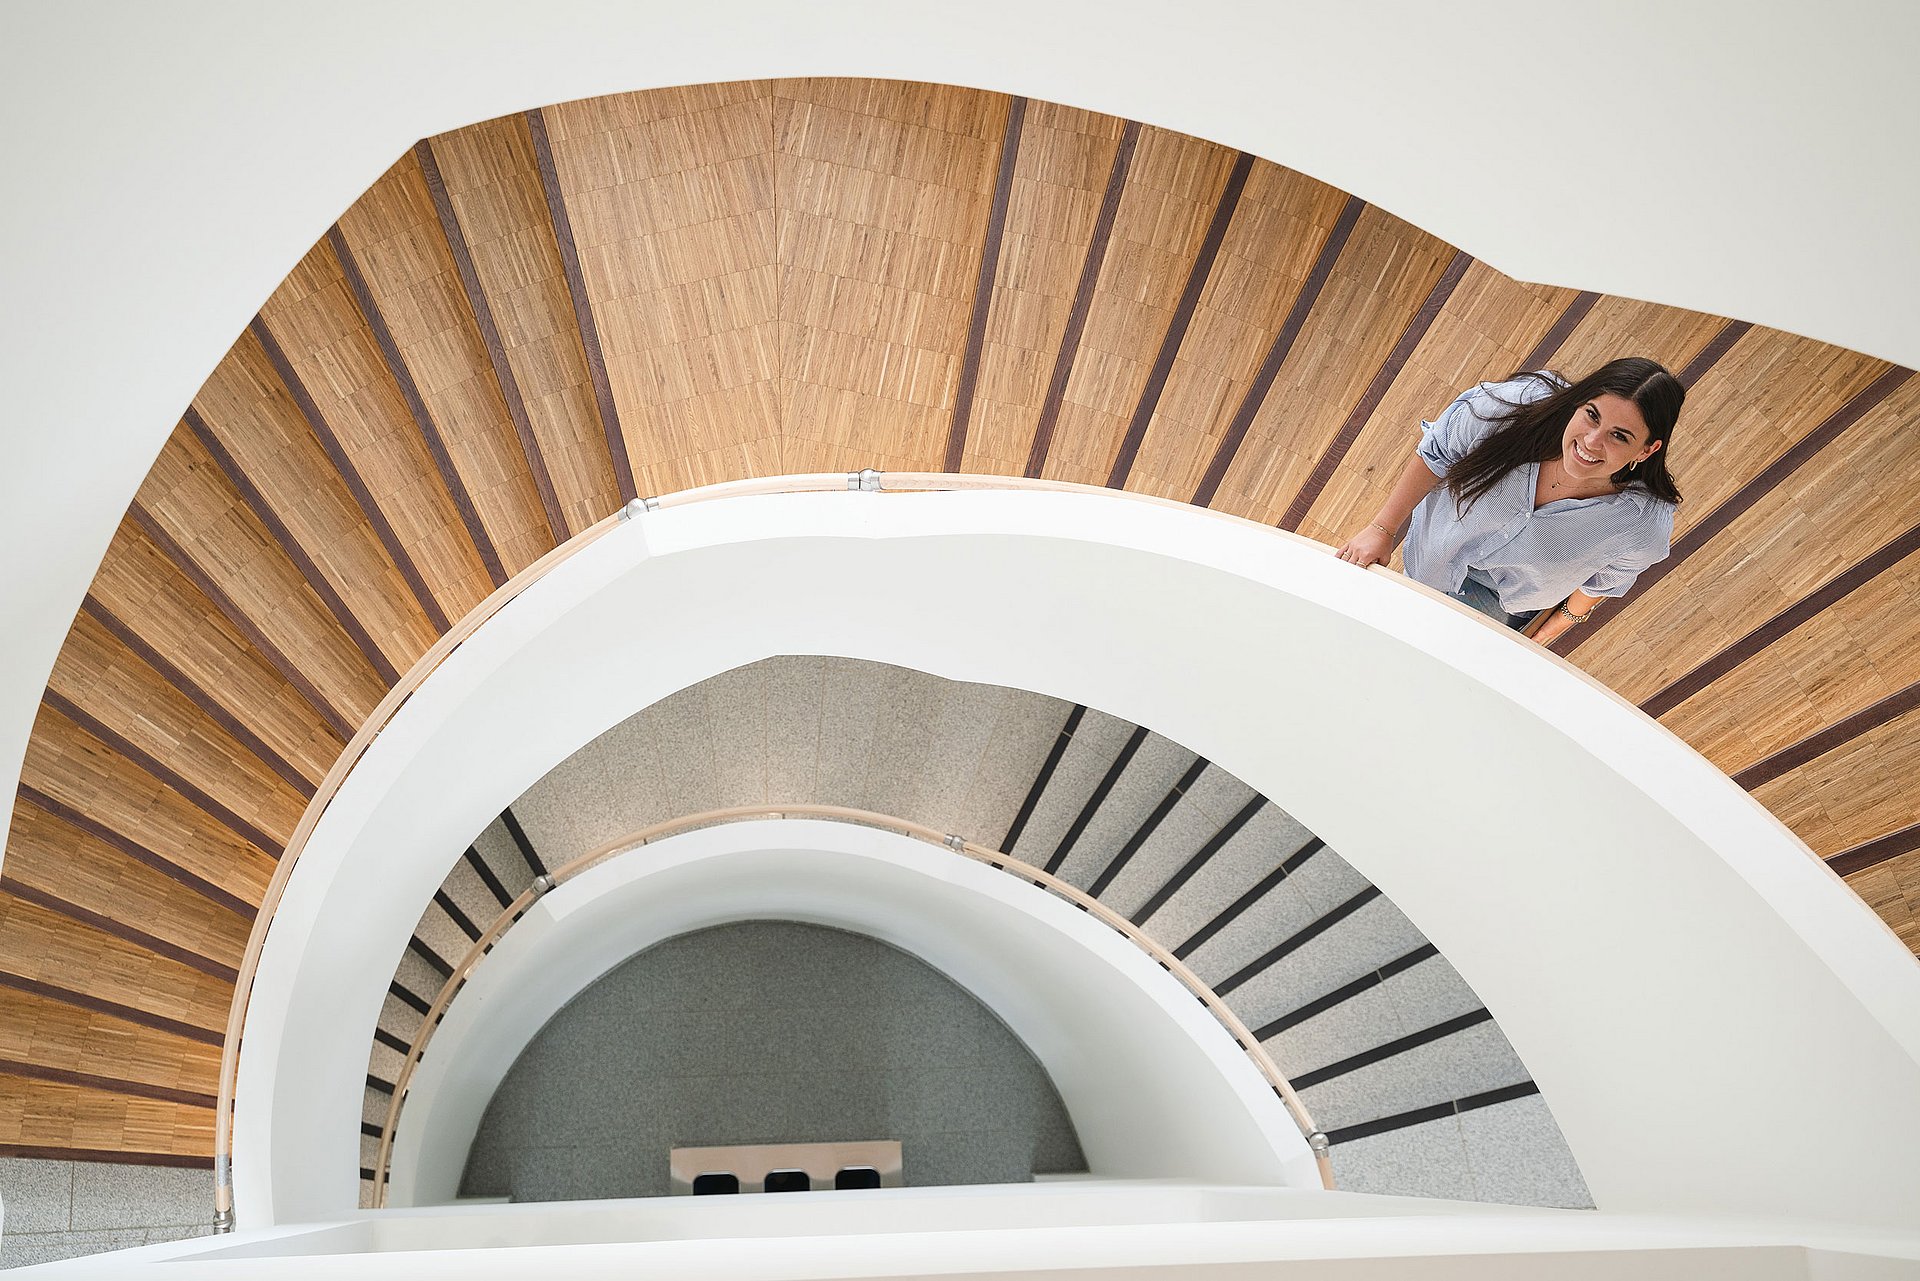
(1155,1086)
(170,163)
(1719,1024)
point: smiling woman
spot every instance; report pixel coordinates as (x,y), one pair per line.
(1537,496)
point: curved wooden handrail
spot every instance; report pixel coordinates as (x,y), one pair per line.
(505,594)
(490,936)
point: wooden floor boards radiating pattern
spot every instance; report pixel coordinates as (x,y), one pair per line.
(530,320)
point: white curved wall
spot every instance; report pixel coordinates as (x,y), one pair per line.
(1720,1026)
(172,162)
(1156,1088)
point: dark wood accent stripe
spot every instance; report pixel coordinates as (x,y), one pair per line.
(1041,779)
(1277,352)
(120,930)
(391,1041)
(212,590)
(371,1131)
(290,546)
(1709,356)
(1336,451)
(1162,367)
(1776,474)
(198,696)
(983,285)
(375,1083)
(110,1084)
(1340,995)
(1556,337)
(138,852)
(42,1152)
(1100,793)
(407,997)
(342,463)
(419,948)
(1082,300)
(1306,935)
(1838,734)
(1434,1112)
(366,1175)
(417,406)
(528,854)
(582,305)
(1260,890)
(1399,1045)
(1829,593)
(1878,850)
(454,914)
(160,770)
(490,339)
(1214,845)
(485,873)
(1148,827)
(99,1005)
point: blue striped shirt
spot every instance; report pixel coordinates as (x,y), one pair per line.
(1534,558)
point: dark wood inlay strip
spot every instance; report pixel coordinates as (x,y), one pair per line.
(1743,500)
(1342,442)
(99,1005)
(1148,827)
(983,285)
(110,1084)
(1878,850)
(417,406)
(1260,890)
(1214,845)
(1832,591)
(1277,353)
(419,948)
(107,925)
(369,1130)
(1400,1045)
(198,696)
(138,852)
(490,339)
(1108,782)
(160,770)
(487,878)
(290,546)
(1709,356)
(1340,995)
(582,305)
(235,615)
(454,914)
(1838,734)
(1041,779)
(1305,935)
(1082,300)
(337,454)
(1556,337)
(392,1042)
(519,834)
(42,1152)
(1434,1112)
(375,1083)
(1162,367)
(407,997)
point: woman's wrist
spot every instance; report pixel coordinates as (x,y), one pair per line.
(1374,524)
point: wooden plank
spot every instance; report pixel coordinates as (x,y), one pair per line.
(47,1033)
(983,285)
(1829,737)
(1857,794)
(140,585)
(112,1084)
(107,924)
(670,197)
(1547,350)
(113,1009)
(505,380)
(1886,875)
(42,945)
(582,308)
(129,848)
(416,405)
(1709,356)
(44,1118)
(884,190)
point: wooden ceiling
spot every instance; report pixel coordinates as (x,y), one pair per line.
(527,322)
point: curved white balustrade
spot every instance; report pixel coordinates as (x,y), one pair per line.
(1720,1026)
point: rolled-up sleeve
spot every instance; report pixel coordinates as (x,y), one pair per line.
(1647,546)
(1448,438)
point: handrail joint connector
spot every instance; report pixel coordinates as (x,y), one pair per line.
(866,480)
(543,885)
(639,506)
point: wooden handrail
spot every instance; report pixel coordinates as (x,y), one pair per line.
(505,594)
(865,818)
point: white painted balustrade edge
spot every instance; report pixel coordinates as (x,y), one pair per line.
(1719,1025)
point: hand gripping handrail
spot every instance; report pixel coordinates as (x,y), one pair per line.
(545,885)
(502,596)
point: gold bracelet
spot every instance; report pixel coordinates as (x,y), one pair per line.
(1374,524)
(1577,618)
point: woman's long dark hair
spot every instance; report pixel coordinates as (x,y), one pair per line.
(1532,433)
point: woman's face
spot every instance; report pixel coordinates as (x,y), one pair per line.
(1604,435)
